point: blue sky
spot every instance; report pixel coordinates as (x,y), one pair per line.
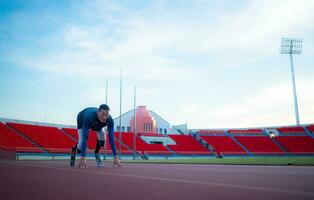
(212,64)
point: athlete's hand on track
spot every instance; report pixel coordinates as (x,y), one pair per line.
(117,163)
(82,163)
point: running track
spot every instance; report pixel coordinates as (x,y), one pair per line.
(52,180)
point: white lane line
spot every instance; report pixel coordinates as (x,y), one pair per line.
(173,180)
(245,187)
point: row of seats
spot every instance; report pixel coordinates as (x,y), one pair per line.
(224,145)
(297,129)
(292,139)
(281,130)
(231,131)
(205,131)
(297,144)
(10,140)
(246,131)
(310,128)
(51,138)
(186,144)
(141,145)
(262,144)
(54,139)
(259,144)
(151,134)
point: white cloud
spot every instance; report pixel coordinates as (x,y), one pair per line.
(268,107)
(256,29)
(141,45)
(153,54)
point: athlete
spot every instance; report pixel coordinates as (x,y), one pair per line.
(94,119)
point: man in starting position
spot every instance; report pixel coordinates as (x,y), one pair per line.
(95,119)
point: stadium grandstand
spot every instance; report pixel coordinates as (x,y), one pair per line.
(155,138)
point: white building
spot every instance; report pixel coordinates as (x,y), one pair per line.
(147,121)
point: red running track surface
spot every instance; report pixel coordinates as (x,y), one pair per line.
(52,180)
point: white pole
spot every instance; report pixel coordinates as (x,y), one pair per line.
(292,46)
(105,129)
(296,109)
(134,133)
(120,135)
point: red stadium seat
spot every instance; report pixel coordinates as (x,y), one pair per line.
(211,132)
(294,139)
(186,144)
(297,144)
(259,144)
(224,144)
(246,131)
(51,138)
(12,141)
(141,145)
(72,132)
(310,128)
(284,130)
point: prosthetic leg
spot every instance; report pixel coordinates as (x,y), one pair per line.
(100,143)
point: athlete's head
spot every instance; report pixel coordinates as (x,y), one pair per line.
(103,112)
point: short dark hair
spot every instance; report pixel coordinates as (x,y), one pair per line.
(104,107)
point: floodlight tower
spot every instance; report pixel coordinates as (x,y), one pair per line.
(292,46)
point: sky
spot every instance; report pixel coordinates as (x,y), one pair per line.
(208,63)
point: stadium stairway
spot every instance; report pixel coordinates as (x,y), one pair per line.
(67,134)
(202,142)
(26,137)
(127,147)
(308,132)
(280,146)
(241,145)
(277,143)
(173,152)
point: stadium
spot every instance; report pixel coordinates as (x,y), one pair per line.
(208,100)
(47,148)
(31,139)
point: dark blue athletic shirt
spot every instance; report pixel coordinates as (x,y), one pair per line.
(87,119)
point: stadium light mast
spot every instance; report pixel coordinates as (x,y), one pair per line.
(134,133)
(120,135)
(292,46)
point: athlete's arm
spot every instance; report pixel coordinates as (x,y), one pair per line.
(110,129)
(116,162)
